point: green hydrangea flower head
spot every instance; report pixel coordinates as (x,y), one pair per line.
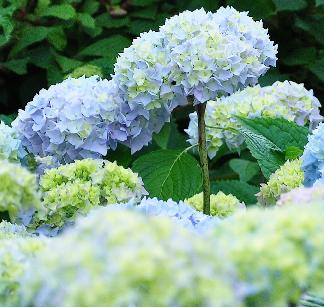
(278,252)
(10,145)
(289,176)
(127,259)
(78,187)
(11,231)
(221,205)
(16,254)
(87,70)
(18,189)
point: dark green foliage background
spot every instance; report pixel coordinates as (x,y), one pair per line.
(43,40)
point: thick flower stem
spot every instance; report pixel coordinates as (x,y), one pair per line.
(200,109)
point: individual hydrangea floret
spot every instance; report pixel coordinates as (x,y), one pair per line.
(142,73)
(87,70)
(313,157)
(179,212)
(128,259)
(221,205)
(10,145)
(265,244)
(71,120)
(18,189)
(16,254)
(288,177)
(78,187)
(217,54)
(303,196)
(282,99)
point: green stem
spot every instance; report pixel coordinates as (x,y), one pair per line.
(200,109)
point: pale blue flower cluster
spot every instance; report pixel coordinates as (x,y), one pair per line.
(313,158)
(71,120)
(180,212)
(10,145)
(216,54)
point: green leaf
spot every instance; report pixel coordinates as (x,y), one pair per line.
(162,138)
(107,47)
(121,155)
(106,21)
(7,119)
(54,74)
(243,191)
(301,56)
(272,76)
(318,69)
(290,5)
(86,20)
(319,2)
(208,5)
(145,13)
(28,36)
(90,6)
(7,25)
(61,11)
(67,64)
(244,168)
(56,37)
(293,153)
(41,56)
(281,132)
(18,66)
(169,174)
(138,26)
(258,9)
(142,2)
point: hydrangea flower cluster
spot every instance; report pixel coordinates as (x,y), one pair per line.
(288,177)
(76,188)
(221,205)
(11,231)
(217,53)
(71,120)
(15,256)
(18,190)
(180,212)
(127,259)
(265,244)
(303,196)
(282,99)
(10,145)
(313,157)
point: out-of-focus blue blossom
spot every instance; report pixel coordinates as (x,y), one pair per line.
(10,144)
(287,99)
(180,212)
(217,54)
(313,157)
(71,120)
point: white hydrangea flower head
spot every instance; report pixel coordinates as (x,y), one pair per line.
(282,99)
(217,53)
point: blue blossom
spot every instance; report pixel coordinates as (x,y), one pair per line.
(313,157)
(71,120)
(217,54)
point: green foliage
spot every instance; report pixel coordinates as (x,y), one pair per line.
(244,168)
(169,174)
(270,141)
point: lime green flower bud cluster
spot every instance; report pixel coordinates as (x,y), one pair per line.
(78,187)
(15,256)
(303,196)
(282,99)
(121,258)
(221,205)
(289,176)
(18,189)
(278,252)
(87,70)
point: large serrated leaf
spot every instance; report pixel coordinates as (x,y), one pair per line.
(169,174)
(242,190)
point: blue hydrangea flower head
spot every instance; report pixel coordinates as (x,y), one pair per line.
(313,157)
(71,120)
(217,54)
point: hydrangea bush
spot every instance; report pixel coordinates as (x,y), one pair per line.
(221,205)
(78,187)
(288,177)
(18,189)
(282,99)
